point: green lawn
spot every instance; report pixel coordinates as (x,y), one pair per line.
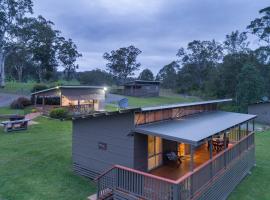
(256,186)
(18,88)
(152,101)
(36,164)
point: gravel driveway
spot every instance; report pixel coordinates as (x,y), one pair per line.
(6,99)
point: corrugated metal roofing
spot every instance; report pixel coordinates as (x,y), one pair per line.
(68,87)
(194,128)
(184,104)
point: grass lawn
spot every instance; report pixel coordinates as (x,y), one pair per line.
(256,186)
(36,164)
(8,111)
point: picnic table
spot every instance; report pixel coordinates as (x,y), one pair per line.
(15,125)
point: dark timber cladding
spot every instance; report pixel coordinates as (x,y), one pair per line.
(262,110)
(142,88)
(101,141)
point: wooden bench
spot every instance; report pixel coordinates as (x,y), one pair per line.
(15,125)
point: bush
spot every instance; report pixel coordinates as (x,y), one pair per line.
(39,87)
(20,103)
(59,113)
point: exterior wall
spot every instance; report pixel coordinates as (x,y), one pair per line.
(89,158)
(140,152)
(70,95)
(262,111)
(142,90)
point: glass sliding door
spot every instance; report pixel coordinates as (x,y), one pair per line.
(154,152)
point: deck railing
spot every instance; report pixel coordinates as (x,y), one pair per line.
(147,186)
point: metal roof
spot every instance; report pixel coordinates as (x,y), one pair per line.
(194,128)
(68,87)
(184,104)
(104,113)
(142,82)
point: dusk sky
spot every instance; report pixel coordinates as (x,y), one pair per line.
(157,27)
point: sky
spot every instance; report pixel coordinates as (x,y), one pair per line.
(157,27)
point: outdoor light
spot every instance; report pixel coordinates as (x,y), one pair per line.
(105,89)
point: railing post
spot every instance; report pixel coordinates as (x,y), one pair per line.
(191,169)
(98,189)
(225,147)
(176,192)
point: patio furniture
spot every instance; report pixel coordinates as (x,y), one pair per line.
(218,143)
(15,125)
(173,157)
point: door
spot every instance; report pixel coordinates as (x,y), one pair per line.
(155,157)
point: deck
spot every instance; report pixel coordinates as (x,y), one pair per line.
(170,171)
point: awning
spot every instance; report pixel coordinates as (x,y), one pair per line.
(194,128)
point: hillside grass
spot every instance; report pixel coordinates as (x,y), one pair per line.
(36,164)
(256,186)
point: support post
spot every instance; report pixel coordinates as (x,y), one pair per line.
(211,156)
(239,132)
(191,166)
(43,101)
(253,125)
(225,147)
(35,100)
(247,129)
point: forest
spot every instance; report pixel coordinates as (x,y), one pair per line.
(31,49)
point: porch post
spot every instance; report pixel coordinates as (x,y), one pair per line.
(253,125)
(43,101)
(225,147)
(239,132)
(191,158)
(35,100)
(247,129)
(211,156)
(191,169)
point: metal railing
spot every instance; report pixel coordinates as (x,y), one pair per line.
(143,185)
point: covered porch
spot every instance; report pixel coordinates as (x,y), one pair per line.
(194,141)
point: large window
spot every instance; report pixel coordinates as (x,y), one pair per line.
(154,152)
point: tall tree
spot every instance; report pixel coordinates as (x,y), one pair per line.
(236,42)
(261,26)
(197,61)
(146,75)
(250,86)
(10,12)
(168,75)
(68,54)
(122,62)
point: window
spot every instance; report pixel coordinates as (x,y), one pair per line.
(154,152)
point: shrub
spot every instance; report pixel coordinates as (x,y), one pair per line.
(20,103)
(38,87)
(59,113)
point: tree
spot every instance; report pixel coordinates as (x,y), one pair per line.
(236,42)
(10,12)
(261,26)
(168,75)
(146,75)
(250,86)
(197,62)
(68,54)
(95,77)
(123,62)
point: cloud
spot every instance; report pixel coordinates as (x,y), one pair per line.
(157,27)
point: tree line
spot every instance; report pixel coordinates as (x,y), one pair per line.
(30,47)
(211,69)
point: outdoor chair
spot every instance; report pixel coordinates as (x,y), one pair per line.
(173,157)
